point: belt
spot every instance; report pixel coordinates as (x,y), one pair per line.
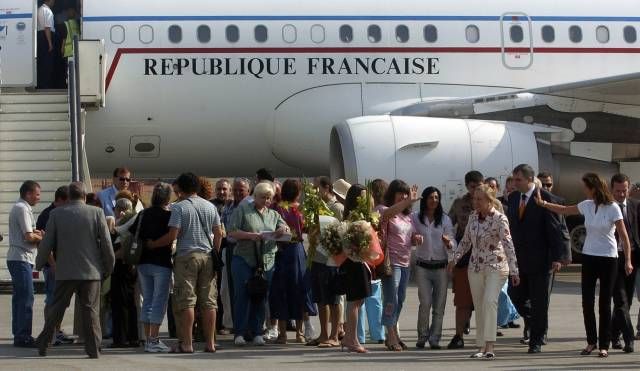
(436,264)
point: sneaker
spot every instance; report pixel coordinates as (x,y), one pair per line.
(239,341)
(258,340)
(420,344)
(62,338)
(309,331)
(271,334)
(156,346)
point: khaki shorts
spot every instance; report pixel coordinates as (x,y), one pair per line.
(195,282)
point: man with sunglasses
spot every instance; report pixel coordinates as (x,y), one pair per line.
(121,181)
(546,179)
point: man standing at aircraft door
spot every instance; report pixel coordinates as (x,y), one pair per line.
(539,244)
(46,42)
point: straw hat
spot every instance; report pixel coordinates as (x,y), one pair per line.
(340,188)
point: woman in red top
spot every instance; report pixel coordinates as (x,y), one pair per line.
(289,296)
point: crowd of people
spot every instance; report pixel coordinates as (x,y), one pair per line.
(235,259)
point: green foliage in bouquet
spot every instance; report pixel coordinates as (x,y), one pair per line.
(312,207)
(364,209)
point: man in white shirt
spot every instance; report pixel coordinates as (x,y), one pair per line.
(46,46)
(23,242)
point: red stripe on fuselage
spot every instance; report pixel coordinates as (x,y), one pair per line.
(352,50)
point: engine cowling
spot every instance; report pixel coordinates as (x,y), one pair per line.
(430,151)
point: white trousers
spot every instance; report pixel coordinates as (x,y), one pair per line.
(485,290)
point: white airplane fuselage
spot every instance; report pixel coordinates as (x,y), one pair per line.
(220,107)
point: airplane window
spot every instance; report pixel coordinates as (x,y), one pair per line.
(516,33)
(317,33)
(548,34)
(346,33)
(203,33)
(175,34)
(374,33)
(630,34)
(232,33)
(602,34)
(430,33)
(145,34)
(402,33)
(472,33)
(575,34)
(289,33)
(261,34)
(117,34)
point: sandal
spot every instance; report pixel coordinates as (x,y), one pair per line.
(586,351)
(403,345)
(178,349)
(603,353)
(328,344)
(207,350)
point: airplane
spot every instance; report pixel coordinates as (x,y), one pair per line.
(361,89)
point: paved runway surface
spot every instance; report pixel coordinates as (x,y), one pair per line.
(566,339)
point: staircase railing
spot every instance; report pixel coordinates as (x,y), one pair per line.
(75,114)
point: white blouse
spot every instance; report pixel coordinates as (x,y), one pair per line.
(432,248)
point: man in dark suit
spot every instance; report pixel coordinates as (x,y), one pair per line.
(79,235)
(538,241)
(624,284)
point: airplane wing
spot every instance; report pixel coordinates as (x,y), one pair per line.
(599,110)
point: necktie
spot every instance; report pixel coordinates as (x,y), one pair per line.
(523,205)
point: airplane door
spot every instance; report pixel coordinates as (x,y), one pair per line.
(17,43)
(517,43)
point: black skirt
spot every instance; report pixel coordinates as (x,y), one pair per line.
(356,280)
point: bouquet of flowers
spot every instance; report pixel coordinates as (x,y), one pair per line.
(332,238)
(357,240)
(312,207)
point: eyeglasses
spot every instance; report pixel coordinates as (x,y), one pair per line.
(123,179)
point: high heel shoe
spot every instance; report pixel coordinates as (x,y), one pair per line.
(586,351)
(353,348)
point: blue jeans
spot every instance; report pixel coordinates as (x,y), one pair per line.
(373,306)
(155,282)
(247,316)
(394,291)
(49,284)
(21,300)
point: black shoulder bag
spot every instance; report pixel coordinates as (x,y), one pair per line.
(257,286)
(215,255)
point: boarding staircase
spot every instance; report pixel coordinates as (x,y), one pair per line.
(35,144)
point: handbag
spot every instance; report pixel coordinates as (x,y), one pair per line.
(385,269)
(131,245)
(257,285)
(216,259)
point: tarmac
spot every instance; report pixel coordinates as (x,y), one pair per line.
(566,339)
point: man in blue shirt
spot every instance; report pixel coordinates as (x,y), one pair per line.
(120,182)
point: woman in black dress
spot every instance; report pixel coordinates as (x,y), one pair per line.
(356,281)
